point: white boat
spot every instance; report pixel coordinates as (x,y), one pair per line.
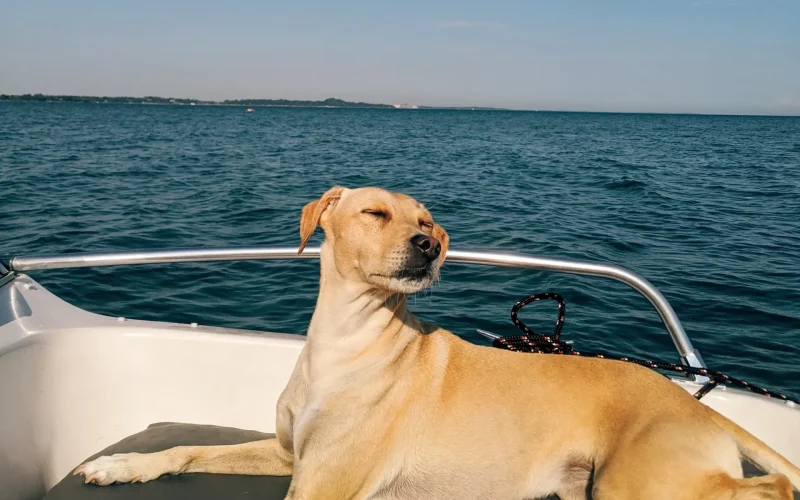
(73,382)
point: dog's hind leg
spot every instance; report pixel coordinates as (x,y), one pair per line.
(769,487)
(267,458)
(682,460)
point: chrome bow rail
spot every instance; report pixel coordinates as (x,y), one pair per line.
(689,355)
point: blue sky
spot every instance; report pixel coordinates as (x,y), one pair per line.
(707,56)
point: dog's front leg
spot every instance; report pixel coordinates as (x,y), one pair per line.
(267,458)
(270,457)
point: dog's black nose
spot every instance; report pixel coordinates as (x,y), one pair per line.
(428,245)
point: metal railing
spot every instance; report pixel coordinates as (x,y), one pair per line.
(688,354)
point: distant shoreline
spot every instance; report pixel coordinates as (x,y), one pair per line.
(333,103)
(173,101)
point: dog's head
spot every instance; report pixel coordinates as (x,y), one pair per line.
(388,240)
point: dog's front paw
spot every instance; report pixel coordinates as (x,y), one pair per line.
(120,468)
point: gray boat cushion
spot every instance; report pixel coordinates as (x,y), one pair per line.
(165,435)
(162,436)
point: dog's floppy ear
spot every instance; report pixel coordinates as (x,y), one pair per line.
(313,211)
(440,234)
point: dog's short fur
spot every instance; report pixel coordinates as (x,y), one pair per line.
(384,406)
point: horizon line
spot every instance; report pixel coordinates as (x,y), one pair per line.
(366,105)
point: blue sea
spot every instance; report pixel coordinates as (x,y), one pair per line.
(705,207)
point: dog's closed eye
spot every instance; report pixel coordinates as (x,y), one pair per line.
(380,214)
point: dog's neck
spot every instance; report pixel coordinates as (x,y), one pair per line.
(354,324)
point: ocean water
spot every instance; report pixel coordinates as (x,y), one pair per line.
(705,207)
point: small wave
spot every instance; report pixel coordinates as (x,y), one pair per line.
(625,246)
(625,183)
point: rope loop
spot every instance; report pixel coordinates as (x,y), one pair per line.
(533,342)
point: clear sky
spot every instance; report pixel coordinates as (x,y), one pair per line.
(707,56)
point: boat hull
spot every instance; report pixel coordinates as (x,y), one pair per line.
(73,382)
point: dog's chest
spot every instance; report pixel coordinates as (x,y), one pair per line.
(397,462)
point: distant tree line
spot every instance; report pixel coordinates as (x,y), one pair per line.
(327,103)
(330,102)
(95,99)
(337,103)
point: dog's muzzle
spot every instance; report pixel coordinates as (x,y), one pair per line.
(424,252)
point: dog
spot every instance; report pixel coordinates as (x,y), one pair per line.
(381,405)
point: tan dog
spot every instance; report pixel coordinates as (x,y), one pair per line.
(383,406)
